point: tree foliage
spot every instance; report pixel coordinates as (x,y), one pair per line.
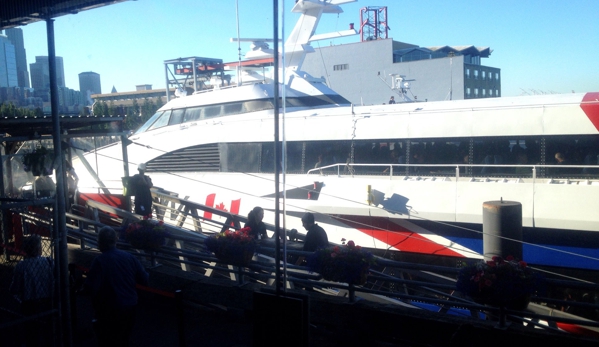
(8,109)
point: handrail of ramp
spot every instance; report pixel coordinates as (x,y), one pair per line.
(400,283)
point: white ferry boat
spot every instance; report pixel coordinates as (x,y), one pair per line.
(408,177)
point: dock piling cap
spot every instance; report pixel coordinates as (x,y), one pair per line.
(498,204)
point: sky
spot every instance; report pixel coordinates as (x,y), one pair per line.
(540,46)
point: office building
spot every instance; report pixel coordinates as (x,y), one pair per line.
(89,83)
(15,36)
(40,73)
(8,63)
(371,71)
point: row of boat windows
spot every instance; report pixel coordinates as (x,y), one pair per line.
(303,156)
(164,118)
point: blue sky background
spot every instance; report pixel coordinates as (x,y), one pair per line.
(540,46)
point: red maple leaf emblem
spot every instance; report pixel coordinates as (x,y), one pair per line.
(221,207)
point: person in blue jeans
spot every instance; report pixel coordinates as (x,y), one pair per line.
(112,280)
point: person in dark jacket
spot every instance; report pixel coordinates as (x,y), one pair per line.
(255,223)
(143,195)
(112,281)
(316,237)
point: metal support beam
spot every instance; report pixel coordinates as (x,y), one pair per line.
(60,229)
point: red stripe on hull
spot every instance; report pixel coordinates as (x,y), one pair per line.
(590,106)
(408,241)
(397,236)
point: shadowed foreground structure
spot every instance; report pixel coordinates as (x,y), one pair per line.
(218,312)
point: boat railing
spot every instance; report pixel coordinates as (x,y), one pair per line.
(460,170)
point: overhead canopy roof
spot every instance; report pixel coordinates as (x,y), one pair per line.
(22,12)
(21,129)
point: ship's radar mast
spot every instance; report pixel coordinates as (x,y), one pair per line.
(401,85)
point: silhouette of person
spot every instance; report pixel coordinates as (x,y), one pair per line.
(560,159)
(319,163)
(111,281)
(143,195)
(522,159)
(258,229)
(72,181)
(392,100)
(33,286)
(316,237)
(33,281)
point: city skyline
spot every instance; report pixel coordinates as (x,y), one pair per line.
(539,47)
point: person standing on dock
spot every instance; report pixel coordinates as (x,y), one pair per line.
(316,237)
(112,281)
(143,196)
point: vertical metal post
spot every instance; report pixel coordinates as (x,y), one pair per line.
(275,7)
(3,213)
(166,79)
(180,319)
(124,143)
(195,75)
(60,229)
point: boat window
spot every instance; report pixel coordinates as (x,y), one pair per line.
(149,122)
(323,153)
(239,157)
(313,101)
(231,109)
(258,105)
(267,157)
(161,121)
(192,114)
(212,111)
(176,117)
(294,157)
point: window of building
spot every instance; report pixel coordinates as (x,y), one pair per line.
(484,91)
(468,73)
(476,92)
(340,67)
(497,76)
(475,74)
(484,75)
(468,91)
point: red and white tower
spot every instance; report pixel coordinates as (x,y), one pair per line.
(373,21)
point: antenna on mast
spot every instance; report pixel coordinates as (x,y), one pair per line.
(238,44)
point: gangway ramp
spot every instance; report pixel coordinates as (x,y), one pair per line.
(412,285)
